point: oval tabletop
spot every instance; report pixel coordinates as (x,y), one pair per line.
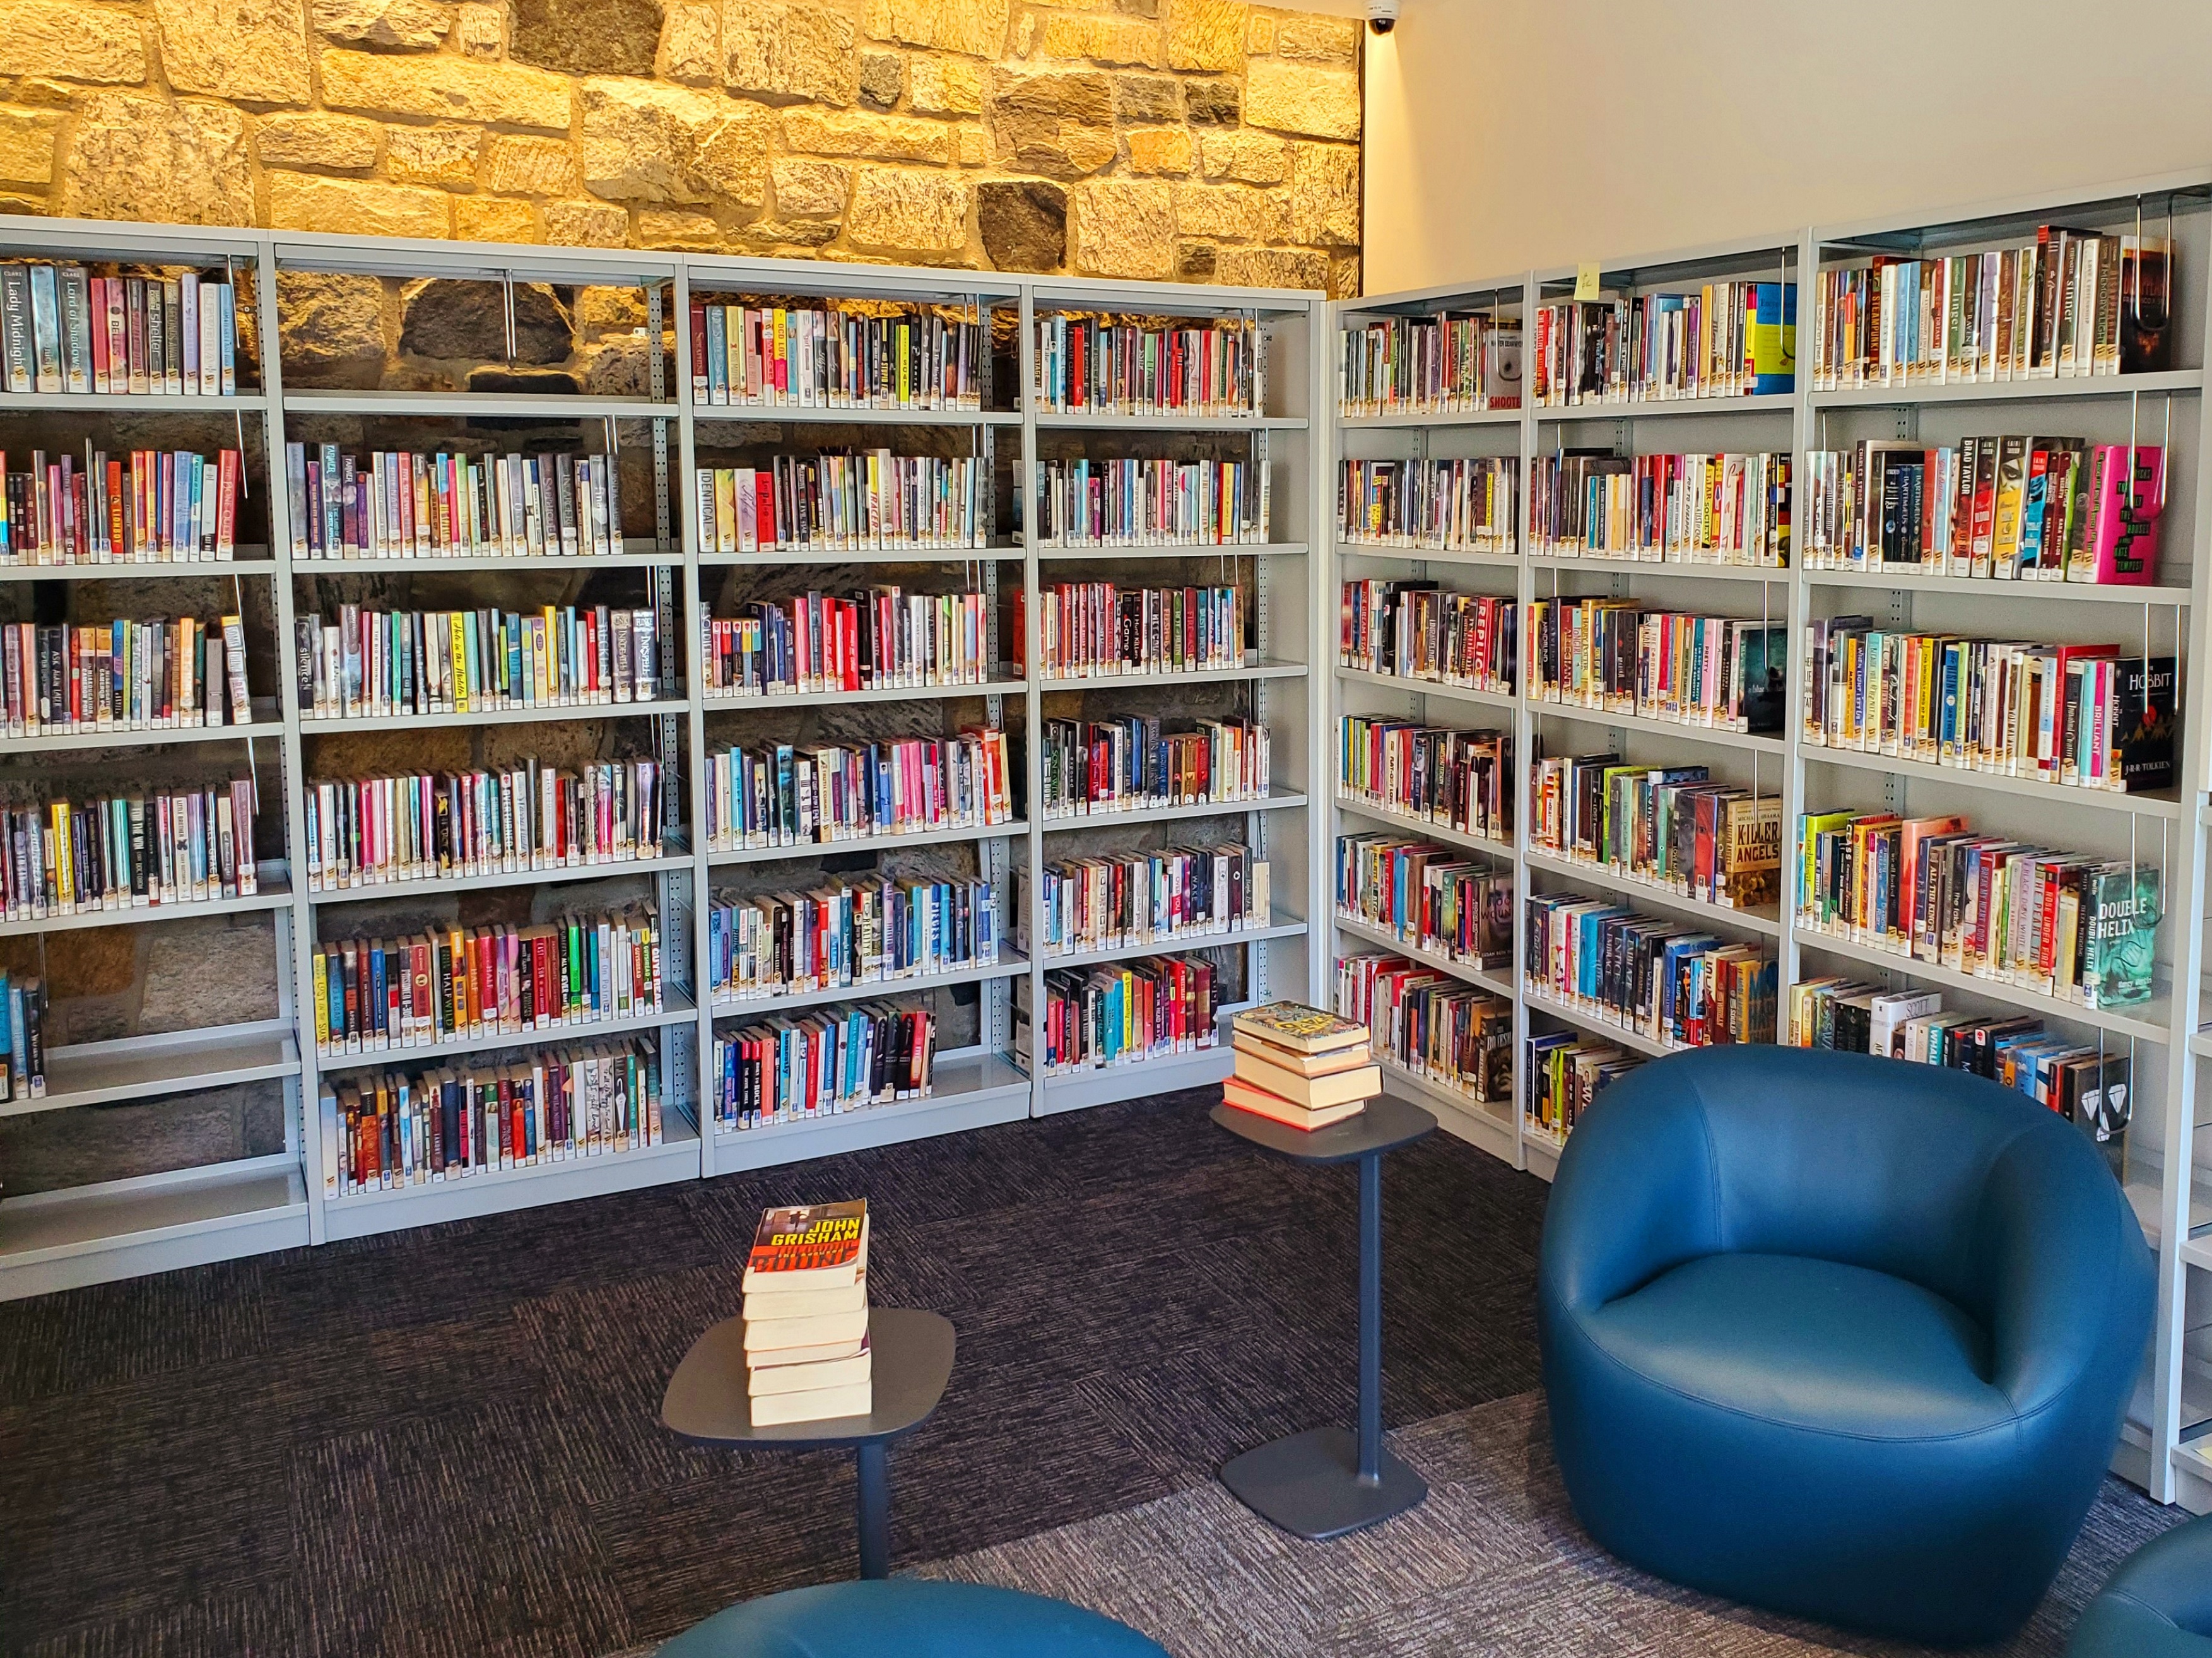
(1384,1125)
(911,1362)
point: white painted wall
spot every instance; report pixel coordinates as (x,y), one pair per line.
(1503,134)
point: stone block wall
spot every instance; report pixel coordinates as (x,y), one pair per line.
(1195,139)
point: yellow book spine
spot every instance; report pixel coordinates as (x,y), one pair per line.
(322,1001)
(459,674)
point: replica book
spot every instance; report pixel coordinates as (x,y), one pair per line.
(821,1247)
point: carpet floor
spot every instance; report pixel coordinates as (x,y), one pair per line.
(1492,1565)
(443,1443)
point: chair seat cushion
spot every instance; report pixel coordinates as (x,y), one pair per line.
(907,1617)
(1812,1343)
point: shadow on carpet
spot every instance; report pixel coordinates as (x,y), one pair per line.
(1493,1565)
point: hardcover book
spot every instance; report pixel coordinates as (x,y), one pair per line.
(1301,1029)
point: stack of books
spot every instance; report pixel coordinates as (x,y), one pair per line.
(806,1316)
(1300,1066)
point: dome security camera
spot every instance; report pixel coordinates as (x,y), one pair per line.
(1382,16)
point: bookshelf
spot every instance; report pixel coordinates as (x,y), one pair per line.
(2167,1443)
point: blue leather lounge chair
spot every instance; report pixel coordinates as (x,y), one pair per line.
(909,1617)
(1839,1336)
(2157,1605)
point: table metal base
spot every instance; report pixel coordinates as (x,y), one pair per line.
(1309,1484)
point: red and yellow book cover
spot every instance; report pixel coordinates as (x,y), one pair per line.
(814,1246)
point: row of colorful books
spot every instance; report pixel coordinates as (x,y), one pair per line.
(64,329)
(1103,365)
(835,356)
(1455,779)
(1085,501)
(1716,672)
(880,638)
(1724,339)
(1437,901)
(2088,716)
(1163,897)
(1674,827)
(1102,630)
(2070,925)
(801,794)
(129,852)
(1663,508)
(1125,1013)
(852,930)
(1415,631)
(404,504)
(869,500)
(1446,1032)
(151,507)
(391,1130)
(1669,982)
(1566,1071)
(377,831)
(1446,364)
(1100,767)
(2015,507)
(367,663)
(1468,503)
(370,994)
(2068,303)
(819,1065)
(78,679)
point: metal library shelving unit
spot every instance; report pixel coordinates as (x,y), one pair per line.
(654,435)
(2167,1442)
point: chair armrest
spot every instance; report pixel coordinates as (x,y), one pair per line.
(1638,1192)
(2071,1279)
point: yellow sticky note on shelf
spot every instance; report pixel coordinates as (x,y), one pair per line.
(1586,280)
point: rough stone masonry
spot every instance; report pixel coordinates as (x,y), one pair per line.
(1199,140)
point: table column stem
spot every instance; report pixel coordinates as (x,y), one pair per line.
(1370,1318)
(875,1508)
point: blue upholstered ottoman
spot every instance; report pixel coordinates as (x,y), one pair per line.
(906,1617)
(2157,1605)
(1839,1336)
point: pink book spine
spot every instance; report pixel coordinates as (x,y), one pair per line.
(2126,525)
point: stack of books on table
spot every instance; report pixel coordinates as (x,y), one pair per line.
(806,1315)
(1300,1066)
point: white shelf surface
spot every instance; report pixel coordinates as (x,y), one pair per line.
(131,403)
(243,568)
(2182,380)
(809,415)
(88,741)
(677,1009)
(2146,1022)
(1542,1154)
(1091,820)
(1165,421)
(608,871)
(1635,889)
(868,843)
(1178,944)
(2146,805)
(471,405)
(1486,1124)
(1119,550)
(818,555)
(1418,420)
(51,1241)
(1670,569)
(1465,557)
(969,1091)
(466,562)
(1763,402)
(1268,670)
(311,727)
(1907,579)
(1406,683)
(1136,1079)
(495,1190)
(150,1068)
(1598,1025)
(1753,741)
(1497,982)
(1011,964)
(1421,829)
(722,701)
(273,895)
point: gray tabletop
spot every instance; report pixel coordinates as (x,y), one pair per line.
(911,1362)
(1384,1125)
